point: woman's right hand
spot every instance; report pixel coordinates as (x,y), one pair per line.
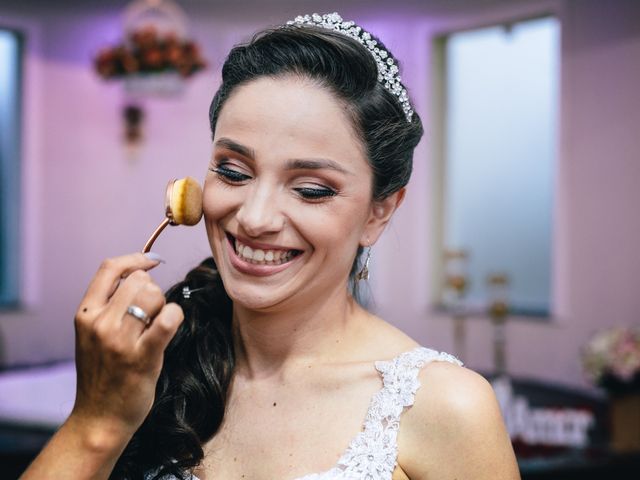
(118,357)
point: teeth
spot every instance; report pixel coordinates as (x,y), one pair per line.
(262,257)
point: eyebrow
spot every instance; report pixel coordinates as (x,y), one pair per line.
(314,164)
(293,164)
(236,147)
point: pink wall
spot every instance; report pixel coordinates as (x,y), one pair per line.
(84,199)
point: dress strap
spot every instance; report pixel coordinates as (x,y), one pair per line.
(374,451)
(400,375)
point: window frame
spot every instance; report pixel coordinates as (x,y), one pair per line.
(438,111)
(11,295)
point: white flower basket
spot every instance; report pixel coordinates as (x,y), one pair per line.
(154,84)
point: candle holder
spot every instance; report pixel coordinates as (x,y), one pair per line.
(498,311)
(456,283)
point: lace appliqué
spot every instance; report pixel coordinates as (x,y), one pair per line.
(373,453)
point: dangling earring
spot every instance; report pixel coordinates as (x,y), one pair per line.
(363,274)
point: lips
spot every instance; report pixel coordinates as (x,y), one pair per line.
(259,259)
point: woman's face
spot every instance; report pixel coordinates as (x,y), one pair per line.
(287,199)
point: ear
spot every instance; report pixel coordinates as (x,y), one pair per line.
(381,212)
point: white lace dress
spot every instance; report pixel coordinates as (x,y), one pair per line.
(373,453)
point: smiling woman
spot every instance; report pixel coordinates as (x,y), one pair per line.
(299,184)
(276,370)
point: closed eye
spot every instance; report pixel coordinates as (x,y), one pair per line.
(315,193)
(230,175)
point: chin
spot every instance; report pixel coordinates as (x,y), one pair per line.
(255,298)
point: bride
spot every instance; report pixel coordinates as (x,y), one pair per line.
(268,368)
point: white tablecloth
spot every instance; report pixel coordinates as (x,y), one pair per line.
(38,397)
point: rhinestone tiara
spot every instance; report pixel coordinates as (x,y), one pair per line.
(388,71)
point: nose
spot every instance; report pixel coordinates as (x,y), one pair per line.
(260,213)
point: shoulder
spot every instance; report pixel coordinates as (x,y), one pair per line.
(456,395)
(453,390)
(455,428)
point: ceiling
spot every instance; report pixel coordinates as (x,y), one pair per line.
(244,8)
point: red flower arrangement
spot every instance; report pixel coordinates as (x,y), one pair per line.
(146,51)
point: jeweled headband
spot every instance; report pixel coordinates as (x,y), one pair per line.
(388,72)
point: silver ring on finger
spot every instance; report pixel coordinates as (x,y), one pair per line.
(138,313)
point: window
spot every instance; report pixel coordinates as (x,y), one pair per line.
(10,76)
(499,149)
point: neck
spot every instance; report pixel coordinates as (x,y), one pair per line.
(269,343)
